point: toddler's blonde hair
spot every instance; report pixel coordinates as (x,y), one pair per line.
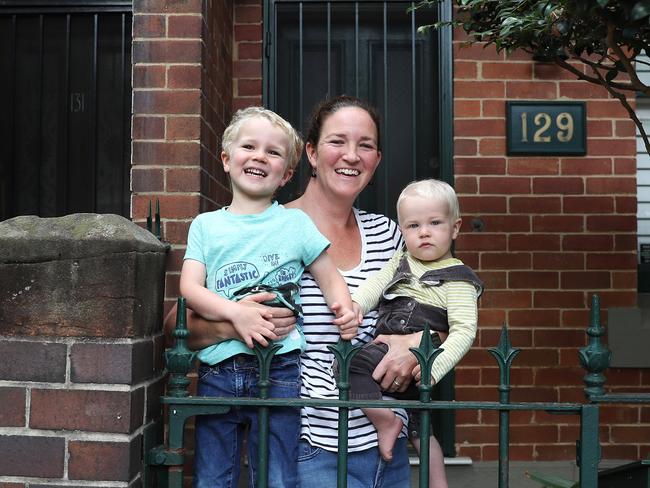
(432,189)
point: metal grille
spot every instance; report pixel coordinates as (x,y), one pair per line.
(65,89)
(315,49)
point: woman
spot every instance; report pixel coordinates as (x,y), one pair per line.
(343,148)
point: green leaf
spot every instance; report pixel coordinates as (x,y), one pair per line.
(603,3)
(640,10)
(510,20)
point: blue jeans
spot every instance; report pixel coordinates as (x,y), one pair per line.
(219,437)
(366,469)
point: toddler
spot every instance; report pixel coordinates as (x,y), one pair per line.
(423,284)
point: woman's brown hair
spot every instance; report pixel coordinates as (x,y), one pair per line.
(328,107)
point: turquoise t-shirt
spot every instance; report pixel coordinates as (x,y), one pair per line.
(270,248)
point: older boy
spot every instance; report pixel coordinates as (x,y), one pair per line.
(254,244)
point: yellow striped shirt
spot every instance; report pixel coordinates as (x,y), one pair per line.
(457,297)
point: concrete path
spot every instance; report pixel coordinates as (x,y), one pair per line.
(486,474)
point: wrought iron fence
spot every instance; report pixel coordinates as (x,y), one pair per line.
(181,406)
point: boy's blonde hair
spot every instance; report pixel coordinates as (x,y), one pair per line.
(432,189)
(294,141)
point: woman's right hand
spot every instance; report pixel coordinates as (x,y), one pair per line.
(395,371)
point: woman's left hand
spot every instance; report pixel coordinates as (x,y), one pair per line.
(395,371)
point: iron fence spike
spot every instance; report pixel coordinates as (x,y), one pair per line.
(179,359)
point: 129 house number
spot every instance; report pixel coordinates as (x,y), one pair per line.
(551,128)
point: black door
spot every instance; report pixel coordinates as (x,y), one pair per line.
(372,50)
(65,93)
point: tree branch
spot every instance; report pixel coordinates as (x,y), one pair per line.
(630,111)
(591,79)
(629,68)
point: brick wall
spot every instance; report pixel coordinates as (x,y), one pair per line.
(183,90)
(75,410)
(182,100)
(194,63)
(555,231)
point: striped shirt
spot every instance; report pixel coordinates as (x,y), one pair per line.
(458,298)
(380,238)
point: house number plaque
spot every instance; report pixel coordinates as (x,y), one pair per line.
(547,128)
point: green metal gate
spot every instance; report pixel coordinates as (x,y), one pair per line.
(165,462)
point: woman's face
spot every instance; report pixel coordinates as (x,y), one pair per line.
(346,155)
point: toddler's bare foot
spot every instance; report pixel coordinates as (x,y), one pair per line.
(387,434)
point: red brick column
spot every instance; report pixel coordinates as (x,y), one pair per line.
(182,97)
(182,92)
(555,230)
